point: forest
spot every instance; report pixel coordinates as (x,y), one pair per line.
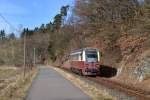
(120,29)
(91,23)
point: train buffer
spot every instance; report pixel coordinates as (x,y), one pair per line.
(50,85)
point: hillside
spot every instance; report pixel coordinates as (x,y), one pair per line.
(124,43)
(119,28)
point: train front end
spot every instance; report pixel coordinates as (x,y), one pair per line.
(91,61)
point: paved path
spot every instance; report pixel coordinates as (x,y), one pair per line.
(50,85)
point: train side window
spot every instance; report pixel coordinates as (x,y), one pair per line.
(75,57)
(70,57)
(79,57)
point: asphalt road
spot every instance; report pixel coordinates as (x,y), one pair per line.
(50,85)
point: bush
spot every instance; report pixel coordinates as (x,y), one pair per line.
(2,62)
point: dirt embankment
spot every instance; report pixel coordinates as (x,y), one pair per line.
(130,54)
(135,64)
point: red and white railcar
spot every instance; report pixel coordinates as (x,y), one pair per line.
(85,61)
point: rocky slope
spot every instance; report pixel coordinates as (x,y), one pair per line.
(129,54)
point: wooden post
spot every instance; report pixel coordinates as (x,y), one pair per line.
(24,71)
(34,58)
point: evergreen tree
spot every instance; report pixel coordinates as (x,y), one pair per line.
(57,22)
(63,11)
(36,29)
(2,35)
(49,27)
(42,28)
(12,36)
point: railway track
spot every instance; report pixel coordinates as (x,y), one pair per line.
(131,91)
(126,89)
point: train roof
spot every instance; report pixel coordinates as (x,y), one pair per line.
(88,48)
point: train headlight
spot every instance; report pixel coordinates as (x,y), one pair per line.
(97,65)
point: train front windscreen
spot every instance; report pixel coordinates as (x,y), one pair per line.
(91,56)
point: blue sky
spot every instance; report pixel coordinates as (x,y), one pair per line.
(29,13)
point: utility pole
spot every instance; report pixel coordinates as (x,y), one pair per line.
(34,58)
(24,54)
(12,51)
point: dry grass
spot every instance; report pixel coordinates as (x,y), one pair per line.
(13,85)
(88,89)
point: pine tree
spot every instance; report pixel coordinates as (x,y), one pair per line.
(2,35)
(12,36)
(42,28)
(64,11)
(57,22)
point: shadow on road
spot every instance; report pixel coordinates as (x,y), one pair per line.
(107,71)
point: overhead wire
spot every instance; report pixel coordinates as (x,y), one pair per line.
(7,22)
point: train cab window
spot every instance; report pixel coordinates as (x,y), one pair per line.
(91,57)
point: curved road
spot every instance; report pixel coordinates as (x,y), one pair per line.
(50,85)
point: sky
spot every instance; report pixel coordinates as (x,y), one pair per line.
(28,13)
